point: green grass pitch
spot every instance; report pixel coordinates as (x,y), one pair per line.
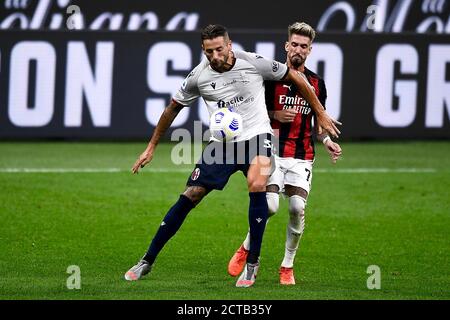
(393,211)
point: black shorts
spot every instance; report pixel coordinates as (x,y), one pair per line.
(220,160)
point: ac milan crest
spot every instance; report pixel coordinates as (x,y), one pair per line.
(195,174)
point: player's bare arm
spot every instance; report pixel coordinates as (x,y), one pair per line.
(323,119)
(166,119)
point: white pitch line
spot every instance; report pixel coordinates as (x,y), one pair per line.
(377,170)
(187,170)
(85,170)
(58,170)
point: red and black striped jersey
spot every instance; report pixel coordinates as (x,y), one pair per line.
(295,138)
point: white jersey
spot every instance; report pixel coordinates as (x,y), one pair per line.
(240,88)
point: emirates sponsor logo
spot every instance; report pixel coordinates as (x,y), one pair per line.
(295,103)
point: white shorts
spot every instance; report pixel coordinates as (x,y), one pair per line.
(291,171)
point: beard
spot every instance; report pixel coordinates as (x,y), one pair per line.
(297,61)
(219,64)
(216,63)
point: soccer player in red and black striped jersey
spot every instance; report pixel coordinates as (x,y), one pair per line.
(291,118)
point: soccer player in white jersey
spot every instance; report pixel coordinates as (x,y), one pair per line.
(292,119)
(233,79)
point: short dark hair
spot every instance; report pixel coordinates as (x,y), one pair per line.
(213,31)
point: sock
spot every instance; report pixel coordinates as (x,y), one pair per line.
(170,225)
(272,204)
(257,217)
(246,243)
(294,230)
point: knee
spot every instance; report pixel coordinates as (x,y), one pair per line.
(296,205)
(297,212)
(272,202)
(195,194)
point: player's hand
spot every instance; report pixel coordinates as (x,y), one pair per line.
(143,159)
(328,123)
(334,150)
(284,116)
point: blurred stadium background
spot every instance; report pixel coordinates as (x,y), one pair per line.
(82,85)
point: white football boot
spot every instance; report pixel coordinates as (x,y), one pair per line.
(248,276)
(138,271)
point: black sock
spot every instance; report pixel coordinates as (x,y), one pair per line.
(170,225)
(257,218)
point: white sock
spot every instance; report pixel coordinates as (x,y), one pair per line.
(294,229)
(246,242)
(293,237)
